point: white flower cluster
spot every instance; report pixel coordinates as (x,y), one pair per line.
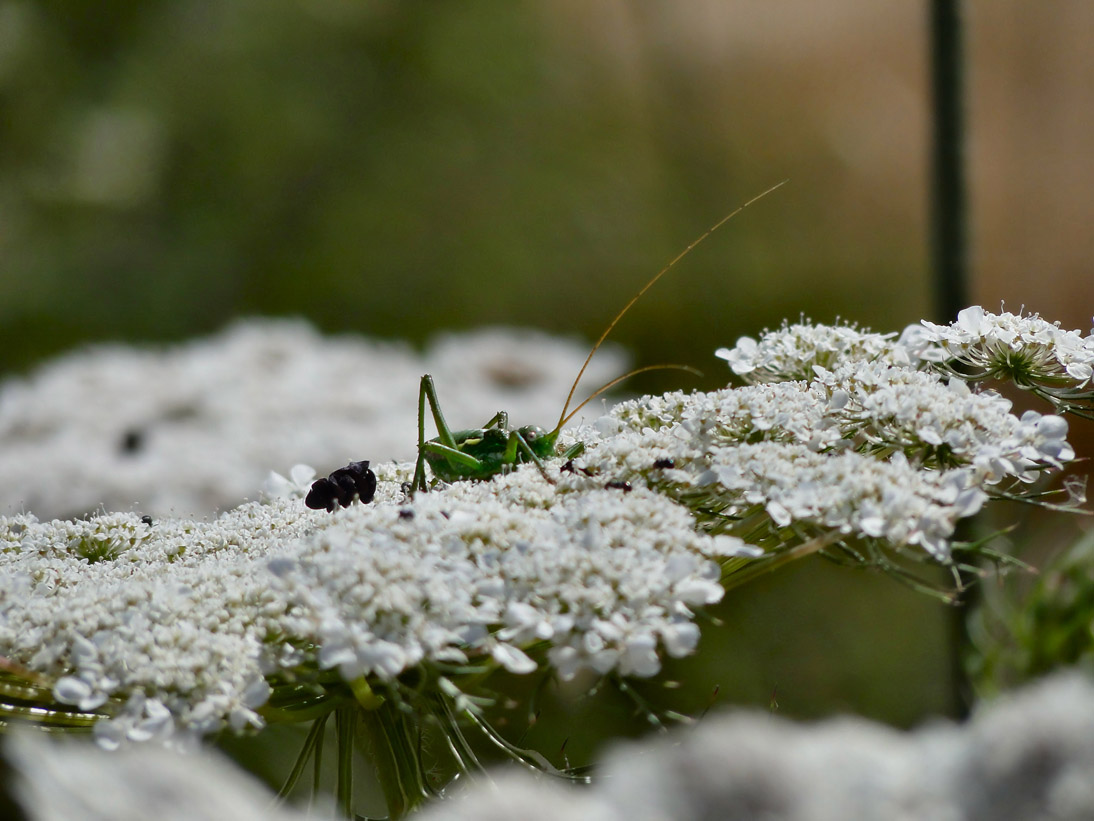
(940,424)
(1006,345)
(845,491)
(193,428)
(604,578)
(182,621)
(792,351)
(170,617)
(871,407)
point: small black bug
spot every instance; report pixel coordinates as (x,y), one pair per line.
(570,467)
(619,484)
(354,481)
(146,519)
(664,464)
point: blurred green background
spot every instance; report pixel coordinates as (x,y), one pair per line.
(398,168)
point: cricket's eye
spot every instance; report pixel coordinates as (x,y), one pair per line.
(531,432)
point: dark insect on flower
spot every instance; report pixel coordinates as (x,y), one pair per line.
(664,464)
(342,487)
(570,467)
(619,485)
(146,519)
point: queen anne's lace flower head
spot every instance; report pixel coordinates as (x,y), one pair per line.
(181,622)
(872,407)
(714,469)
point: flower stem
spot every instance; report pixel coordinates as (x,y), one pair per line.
(395,752)
(344,724)
(764,566)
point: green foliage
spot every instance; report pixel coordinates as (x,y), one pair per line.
(383,167)
(1026,629)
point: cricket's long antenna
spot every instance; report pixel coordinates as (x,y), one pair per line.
(619,379)
(563,418)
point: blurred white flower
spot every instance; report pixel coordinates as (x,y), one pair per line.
(196,427)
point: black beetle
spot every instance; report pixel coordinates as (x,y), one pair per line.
(342,487)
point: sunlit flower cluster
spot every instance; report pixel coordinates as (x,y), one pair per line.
(182,621)
(936,423)
(793,485)
(171,618)
(1026,349)
(871,407)
(792,351)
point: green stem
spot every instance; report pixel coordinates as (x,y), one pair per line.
(395,754)
(317,761)
(762,567)
(345,719)
(311,746)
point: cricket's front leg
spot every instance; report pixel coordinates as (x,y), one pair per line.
(517,444)
(418,482)
(427,392)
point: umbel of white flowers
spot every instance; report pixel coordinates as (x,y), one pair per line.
(176,629)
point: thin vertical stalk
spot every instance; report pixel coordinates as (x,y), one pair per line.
(317,770)
(395,754)
(949,205)
(949,249)
(345,719)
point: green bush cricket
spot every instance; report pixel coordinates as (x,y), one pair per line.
(481,453)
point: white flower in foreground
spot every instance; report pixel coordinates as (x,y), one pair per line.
(173,620)
(68,780)
(1026,757)
(792,351)
(603,577)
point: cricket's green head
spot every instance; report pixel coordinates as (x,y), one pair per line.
(541,442)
